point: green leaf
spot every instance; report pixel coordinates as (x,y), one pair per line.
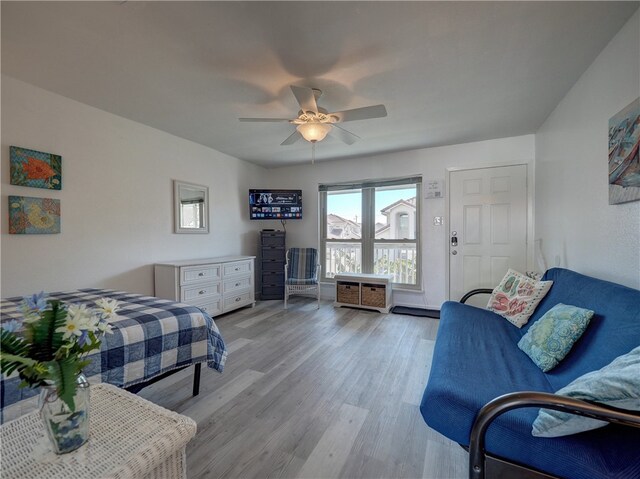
(46,341)
(12,343)
(17,359)
(64,374)
(14,357)
(35,375)
(94,344)
(82,364)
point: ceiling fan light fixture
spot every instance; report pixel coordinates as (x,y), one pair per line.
(314,131)
(314,123)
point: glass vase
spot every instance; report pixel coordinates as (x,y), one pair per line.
(66,429)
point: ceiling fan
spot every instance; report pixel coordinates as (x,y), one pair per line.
(314,123)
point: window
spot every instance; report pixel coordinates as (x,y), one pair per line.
(403,225)
(372,227)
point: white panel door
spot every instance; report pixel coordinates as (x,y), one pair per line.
(488,227)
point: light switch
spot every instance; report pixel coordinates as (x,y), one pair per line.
(437,221)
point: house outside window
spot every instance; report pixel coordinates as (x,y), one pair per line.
(372,227)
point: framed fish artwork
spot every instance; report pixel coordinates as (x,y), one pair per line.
(624,158)
(36,169)
(33,215)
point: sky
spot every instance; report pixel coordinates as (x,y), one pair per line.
(348,205)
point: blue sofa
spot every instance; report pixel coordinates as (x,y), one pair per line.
(476,359)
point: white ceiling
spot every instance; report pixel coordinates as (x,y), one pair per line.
(448,72)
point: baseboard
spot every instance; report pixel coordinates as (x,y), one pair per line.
(415,305)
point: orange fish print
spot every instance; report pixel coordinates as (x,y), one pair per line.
(38,169)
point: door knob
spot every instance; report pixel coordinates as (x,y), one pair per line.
(454,252)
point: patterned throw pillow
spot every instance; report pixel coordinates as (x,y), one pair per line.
(517,296)
(617,384)
(550,338)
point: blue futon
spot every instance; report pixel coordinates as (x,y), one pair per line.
(476,359)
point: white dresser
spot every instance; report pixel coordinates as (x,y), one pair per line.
(215,285)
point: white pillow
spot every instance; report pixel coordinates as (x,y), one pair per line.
(517,296)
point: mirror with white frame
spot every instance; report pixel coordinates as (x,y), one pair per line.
(191,207)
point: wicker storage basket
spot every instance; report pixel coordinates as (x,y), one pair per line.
(348,293)
(374,295)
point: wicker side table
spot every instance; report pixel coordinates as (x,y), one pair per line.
(130,437)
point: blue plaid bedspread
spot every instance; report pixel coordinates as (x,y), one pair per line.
(150,337)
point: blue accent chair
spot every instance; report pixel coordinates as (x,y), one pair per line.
(301,273)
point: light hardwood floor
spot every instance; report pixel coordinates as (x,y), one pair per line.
(314,394)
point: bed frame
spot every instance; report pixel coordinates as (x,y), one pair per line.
(197,368)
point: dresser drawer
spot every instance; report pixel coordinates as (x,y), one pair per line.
(272,292)
(237,284)
(237,300)
(275,253)
(212,307)
(271,278)
(273,265)
(198,274)
(239,268)
(272,238)
(192,294)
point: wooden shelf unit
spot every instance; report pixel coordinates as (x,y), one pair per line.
(373,291)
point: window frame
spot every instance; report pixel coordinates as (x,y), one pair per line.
(367,239)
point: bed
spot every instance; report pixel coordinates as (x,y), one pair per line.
(151,338)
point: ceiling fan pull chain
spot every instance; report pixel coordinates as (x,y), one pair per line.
(313,152)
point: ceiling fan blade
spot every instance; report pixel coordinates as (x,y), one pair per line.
(263,119)
(343,135)
(306,98)
(291,139)
(364,113)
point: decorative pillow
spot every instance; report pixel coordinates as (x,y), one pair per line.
(517,296)
(550,338)
(617,384)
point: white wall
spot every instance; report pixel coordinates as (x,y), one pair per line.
(116,197)
(578,228)
(431,163)
(117,201)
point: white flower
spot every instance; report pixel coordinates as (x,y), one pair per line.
(108,308)
(104,327)
(82,316)
(71,327)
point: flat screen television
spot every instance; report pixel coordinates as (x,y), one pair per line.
(275,204)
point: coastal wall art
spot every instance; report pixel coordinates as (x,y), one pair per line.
(36,169)
(33,215)
(624,160)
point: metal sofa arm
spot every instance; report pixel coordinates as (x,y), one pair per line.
(473,292)
(518,400)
